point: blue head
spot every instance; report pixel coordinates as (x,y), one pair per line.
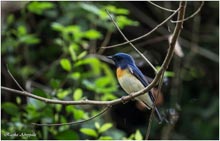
(122,60)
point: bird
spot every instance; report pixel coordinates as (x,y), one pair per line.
(131,79)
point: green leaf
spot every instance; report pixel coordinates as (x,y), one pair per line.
(105,127)
(89,132)
(39,7)
(75,75)
(116,10)
(39,92)
(169,74)
(65,64)
(97,125)
(81,55)
(70,108)
(124,21)
(105,138)
(92,34)
(91,8)
(138,135)
(21,30)
(77,95)
(10,19)
(108,96)
(67,135)
(55,83)
(57,27)
(29,39)
(72,52)
(58,107)
(78,114)
(18,100)
(63,93)
(10,108)
(36,103)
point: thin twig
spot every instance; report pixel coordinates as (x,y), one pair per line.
(147,34)
(168,58)
(116,25)
(163,8)
(75,122)
(153,109)
(105,42)
(191,16)
(14,79)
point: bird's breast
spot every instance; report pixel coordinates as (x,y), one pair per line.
(131,84)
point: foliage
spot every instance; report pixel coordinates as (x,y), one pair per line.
(76,76)
(53,50)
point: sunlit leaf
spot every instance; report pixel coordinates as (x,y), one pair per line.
(105,138)
(58,107)
(72,52)
(77,95)
(91,8)
(92,34)
(65,64)
(105,127)
(124,21)
(97,125)
(108,96)
(70,109)
(21,30)
(39,7)
(81,55)
(57,26)
(115,10)
(75,75)
(138,135)
(78,114)
(89,132)
(29,39)
(18,100)
(63,93)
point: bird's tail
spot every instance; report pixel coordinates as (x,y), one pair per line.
(157,114)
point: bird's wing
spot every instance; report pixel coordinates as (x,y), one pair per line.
(139,75)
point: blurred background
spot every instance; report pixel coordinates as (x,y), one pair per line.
(53,49)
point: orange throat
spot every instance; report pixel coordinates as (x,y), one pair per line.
(120,72)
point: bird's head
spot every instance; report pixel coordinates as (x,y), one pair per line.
(122,60)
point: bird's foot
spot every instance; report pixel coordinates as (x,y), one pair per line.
(123,100)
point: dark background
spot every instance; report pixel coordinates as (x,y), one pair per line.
(33,47)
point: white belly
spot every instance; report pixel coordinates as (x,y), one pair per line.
(131,84)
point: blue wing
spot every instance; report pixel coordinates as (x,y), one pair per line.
(139,75)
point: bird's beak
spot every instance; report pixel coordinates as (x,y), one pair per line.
(110,57)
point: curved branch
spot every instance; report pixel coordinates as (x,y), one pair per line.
(191,16)
(170,52)
(116,25)
(75,122)
(163,8)
(145,35)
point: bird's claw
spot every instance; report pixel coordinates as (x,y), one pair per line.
(123,100)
